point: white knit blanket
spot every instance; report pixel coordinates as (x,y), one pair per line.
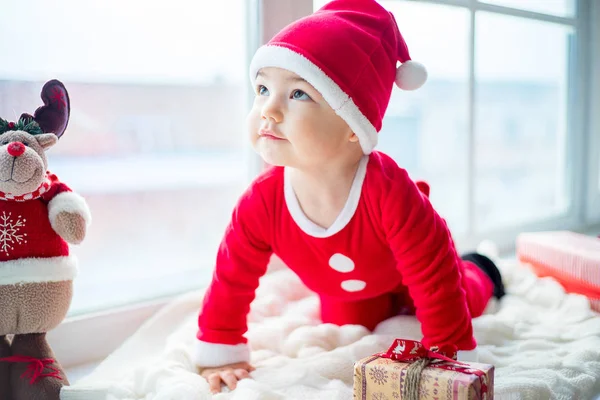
(544,343)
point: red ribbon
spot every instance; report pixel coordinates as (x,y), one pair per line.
(442,357)
(35,369)
(411,350)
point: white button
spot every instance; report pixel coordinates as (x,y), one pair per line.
(341,263)
(353,285)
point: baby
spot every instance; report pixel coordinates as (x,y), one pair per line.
(345,218)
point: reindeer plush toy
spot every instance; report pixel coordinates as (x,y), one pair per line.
(38,216)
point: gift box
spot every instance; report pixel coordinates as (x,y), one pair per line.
(410,371)
(571,258)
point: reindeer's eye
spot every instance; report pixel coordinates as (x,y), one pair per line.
(26,144)
(4,142)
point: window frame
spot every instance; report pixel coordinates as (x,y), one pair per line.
(582,158)
(577,160)
(83,339)
(593,144)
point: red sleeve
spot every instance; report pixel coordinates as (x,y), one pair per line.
(241,260)
(428,262)
(56,187)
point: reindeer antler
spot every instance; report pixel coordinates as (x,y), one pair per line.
(53,116)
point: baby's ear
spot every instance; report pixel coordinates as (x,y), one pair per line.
(353,138)
(46,140)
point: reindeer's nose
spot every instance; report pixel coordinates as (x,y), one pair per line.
(15,149)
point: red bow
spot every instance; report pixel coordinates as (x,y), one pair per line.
(411,350)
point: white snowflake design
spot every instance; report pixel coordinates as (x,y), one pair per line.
(10,232)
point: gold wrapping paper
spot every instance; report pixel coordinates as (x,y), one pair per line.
(378,378)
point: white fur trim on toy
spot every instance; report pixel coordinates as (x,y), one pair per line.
(281,57)
(37,270)
(207,355)
(411,75)
(68,202)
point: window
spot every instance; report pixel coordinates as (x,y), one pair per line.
(563,8)
(440,109)
(521,91)
(156,145)
(156,137)
(497,130)
(504,131)
(593,144)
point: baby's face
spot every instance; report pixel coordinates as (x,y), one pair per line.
(290,123)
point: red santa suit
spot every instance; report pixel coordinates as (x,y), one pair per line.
(387,251)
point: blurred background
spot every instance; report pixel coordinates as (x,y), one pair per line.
(505,131)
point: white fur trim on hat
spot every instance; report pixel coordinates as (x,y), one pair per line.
(411,75)
(207,355)
(344,106)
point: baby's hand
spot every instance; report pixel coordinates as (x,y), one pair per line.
(228,374)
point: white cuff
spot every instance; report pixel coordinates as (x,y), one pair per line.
(216,355)
(69,202)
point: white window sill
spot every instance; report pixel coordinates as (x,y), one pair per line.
(82,342)
(74,374)
(88,339)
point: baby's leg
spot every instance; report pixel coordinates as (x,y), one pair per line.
(368,312)
(478,287)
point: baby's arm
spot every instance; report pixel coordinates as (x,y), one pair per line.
(242,259)
(429,264)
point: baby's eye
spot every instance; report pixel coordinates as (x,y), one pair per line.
(262,90)
(300,95)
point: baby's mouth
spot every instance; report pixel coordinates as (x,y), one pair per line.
(264,133)
(270,137)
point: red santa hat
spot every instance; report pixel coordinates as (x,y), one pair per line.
(349,51)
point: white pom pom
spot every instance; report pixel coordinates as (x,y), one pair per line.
(411,75)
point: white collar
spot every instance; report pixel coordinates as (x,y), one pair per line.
(309,227)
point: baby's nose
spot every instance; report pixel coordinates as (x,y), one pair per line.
(15,149)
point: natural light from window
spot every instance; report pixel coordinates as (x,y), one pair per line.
(563,8)
(519,114)
(156,137)
(156,141)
